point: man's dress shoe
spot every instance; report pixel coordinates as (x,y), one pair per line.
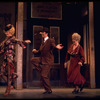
(47,92)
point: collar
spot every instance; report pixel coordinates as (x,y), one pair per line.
(46,38)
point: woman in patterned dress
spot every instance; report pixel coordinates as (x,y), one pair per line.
(75,54)
(7,69)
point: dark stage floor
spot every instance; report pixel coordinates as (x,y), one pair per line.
(58,93)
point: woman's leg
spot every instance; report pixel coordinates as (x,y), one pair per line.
(8,89)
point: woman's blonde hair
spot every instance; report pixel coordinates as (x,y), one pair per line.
(76,37)
(10,28)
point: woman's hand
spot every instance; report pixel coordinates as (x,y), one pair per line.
(80,63)
(27,41)
(65,65)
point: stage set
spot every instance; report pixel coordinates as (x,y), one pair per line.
(62,19)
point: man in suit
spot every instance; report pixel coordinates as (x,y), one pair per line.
(46,59)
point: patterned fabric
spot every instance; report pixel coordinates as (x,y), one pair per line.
(8,48)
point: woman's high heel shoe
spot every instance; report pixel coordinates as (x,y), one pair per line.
(7,91)
(75,91)
(11,87)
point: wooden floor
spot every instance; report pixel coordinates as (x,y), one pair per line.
(58,93)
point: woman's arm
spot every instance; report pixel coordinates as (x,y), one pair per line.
(67,57)
(21,43)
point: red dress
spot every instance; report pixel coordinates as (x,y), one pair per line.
(77,55)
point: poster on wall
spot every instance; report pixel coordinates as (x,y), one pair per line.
(46,10)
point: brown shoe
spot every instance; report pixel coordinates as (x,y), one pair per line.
(47,92)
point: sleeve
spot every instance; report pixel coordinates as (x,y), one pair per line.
(82,57)
(21,43)
(53,43)
(38,50)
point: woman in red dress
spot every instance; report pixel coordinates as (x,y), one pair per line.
(75,54)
